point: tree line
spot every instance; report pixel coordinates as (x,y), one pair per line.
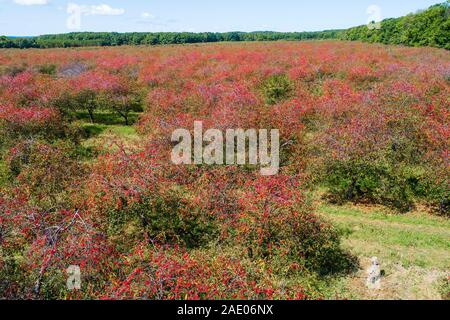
(84,39)
(430,27)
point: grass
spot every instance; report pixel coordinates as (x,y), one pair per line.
(107,128)
(95,130)
(3,172)
(413,249)
(102,137)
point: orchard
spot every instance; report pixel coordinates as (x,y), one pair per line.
(366,123)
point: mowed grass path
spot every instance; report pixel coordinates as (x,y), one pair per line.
(413,249)
(108,128)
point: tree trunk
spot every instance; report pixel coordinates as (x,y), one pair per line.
(91,115)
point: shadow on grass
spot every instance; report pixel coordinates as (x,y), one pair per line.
(107,118)
(337,262)
(92,130)
(104,121)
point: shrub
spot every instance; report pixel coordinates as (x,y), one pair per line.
(164,218)
(26,122)
(278,221)
(14,70)
(371,182)
(49,69)
(130,189)
(165,273)
(277,88)
(122,104)
(45,172)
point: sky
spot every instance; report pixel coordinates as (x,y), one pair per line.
(35,17)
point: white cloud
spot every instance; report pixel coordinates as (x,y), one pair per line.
(31,2)
(76,12)
(93,10)
(147,15)
(102,10)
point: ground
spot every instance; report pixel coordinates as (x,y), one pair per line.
(413,249)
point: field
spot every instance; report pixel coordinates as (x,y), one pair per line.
(86,177)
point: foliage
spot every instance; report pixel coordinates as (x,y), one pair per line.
(277,220)
(49,69)
(368,121)
(276,88)
(174,274)
(430,27)
(45,172)
(83,39)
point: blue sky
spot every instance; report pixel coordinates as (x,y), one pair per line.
(34,17)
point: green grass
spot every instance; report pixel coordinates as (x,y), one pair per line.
(3,172)
(414,250)
(94,130)
(384,215)
(101,136)
(107,127)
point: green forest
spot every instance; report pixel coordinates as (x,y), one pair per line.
(430,27)
(84,39)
